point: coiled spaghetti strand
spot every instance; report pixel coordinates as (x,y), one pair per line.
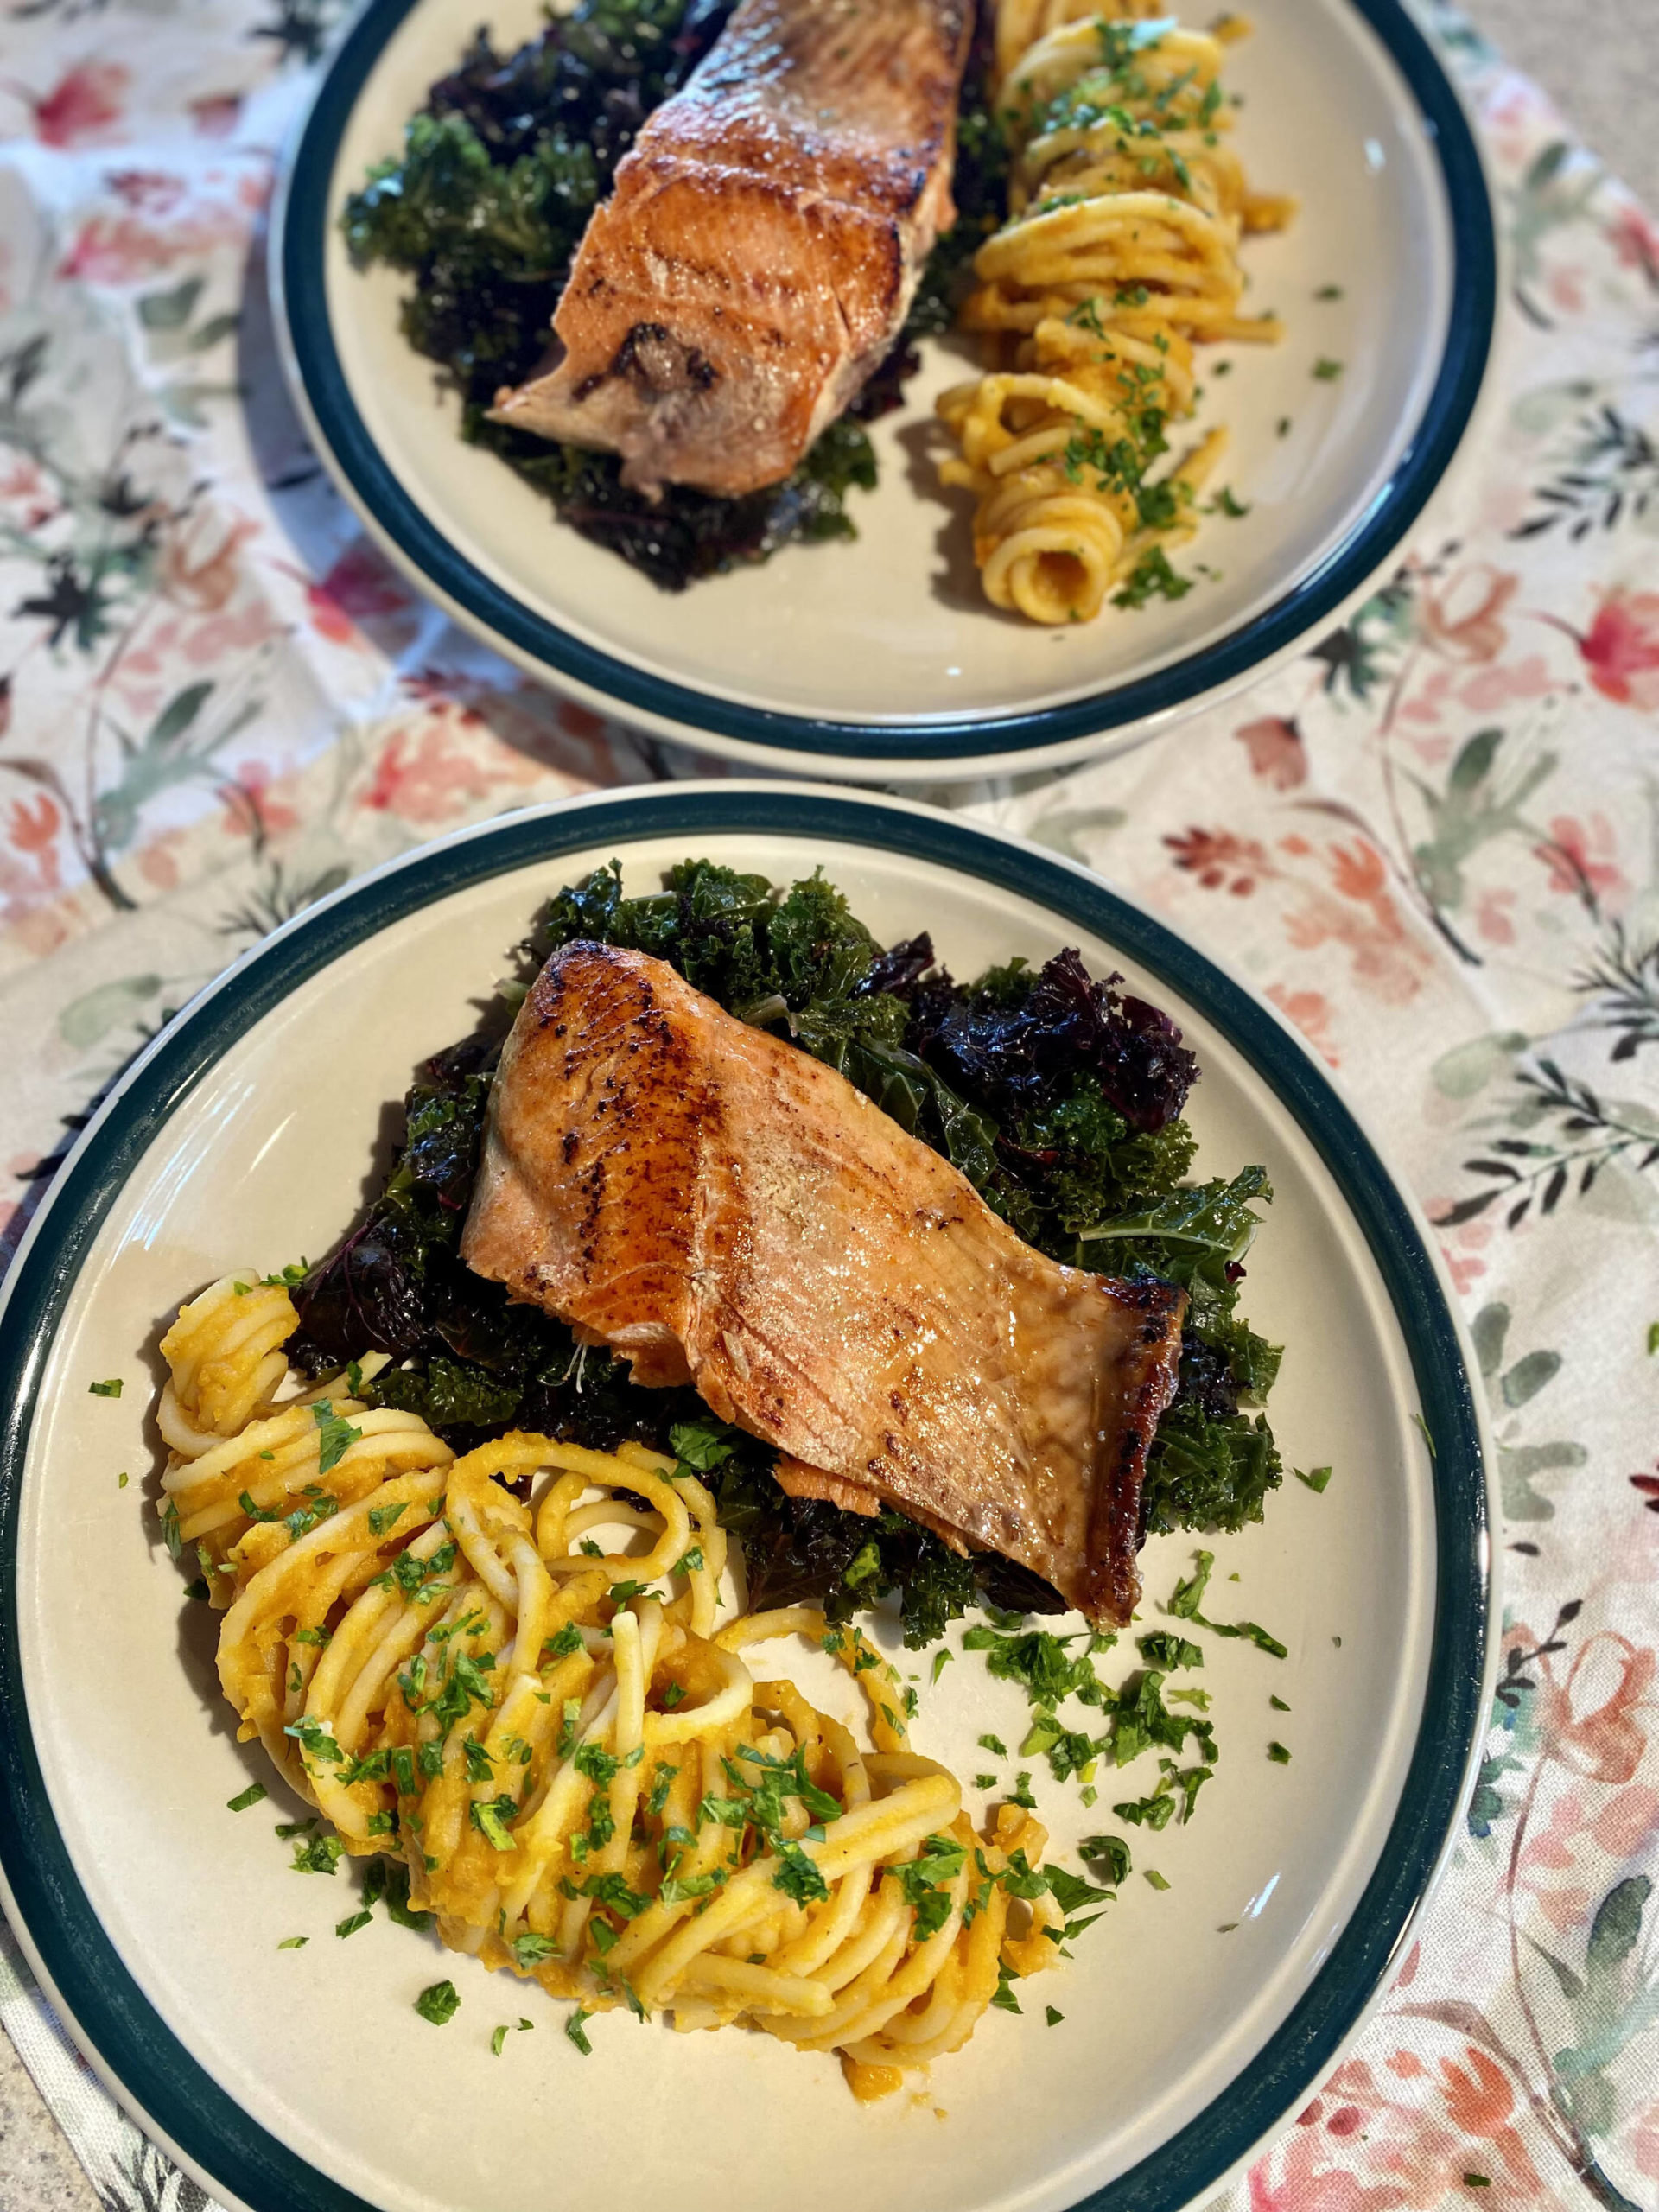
(1127,206)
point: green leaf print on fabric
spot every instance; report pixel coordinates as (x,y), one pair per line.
(1618,2002)
(85,1020)
(1508,1390)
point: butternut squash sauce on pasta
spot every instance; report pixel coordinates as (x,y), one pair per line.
(1127,205)
(591,1785)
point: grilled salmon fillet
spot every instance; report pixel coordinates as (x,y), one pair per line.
(759,252)
(725,1210)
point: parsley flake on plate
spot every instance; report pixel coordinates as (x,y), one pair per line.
(320,1856)
(1189,1596)
(110,1390)
(254,1794)
(439,2004)
(576,2028)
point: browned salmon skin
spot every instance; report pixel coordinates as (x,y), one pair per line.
(758,254)
(726,1210)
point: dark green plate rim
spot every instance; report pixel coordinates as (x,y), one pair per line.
(299,265)
(110,2010)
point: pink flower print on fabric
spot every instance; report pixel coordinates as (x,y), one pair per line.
(83,106)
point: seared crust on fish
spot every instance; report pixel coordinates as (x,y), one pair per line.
(759,252)
(725,1210)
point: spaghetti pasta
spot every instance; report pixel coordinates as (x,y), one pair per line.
(583,1778)
(1120,252)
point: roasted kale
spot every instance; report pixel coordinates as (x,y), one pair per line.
(1058,1096)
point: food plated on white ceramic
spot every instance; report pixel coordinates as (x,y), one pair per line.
(628,1560)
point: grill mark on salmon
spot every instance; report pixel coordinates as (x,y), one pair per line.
(761,244)
(721,1208)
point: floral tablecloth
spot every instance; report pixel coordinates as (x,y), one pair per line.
(1433,841)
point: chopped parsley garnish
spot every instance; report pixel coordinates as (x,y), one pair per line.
(1005,1999)
(122,1480)
(1225,504)
(1054,2017)
(1021,1793)
(1189,1595)
(699,1447)
(1278,1754)
(382,1517)
(170,1529)
(295,1271)
(993,1744)
(984,1781)
(350,1925)
(254,1794)
(439,2004)
(480,1766)
(530,1951)
(1328,292)
(1154,1812)
(293,1942)
(612,1892)
(497,2041)
(679,1889)
(110,1390)
(315,1740)
(491,1819)
(1145,1719)
(1041,1664)
(1158,1881)
(1152,577)
(1167,1652)
(924,1881)
(576,2028)
(564,1644)
(1277,1704)
(337,1435)
(1325,371)
(1109,1853)
(689,1563)
(320,1856)
(598,1764)
(1316,1477)
(941,1661)
(797,1875)
(664,1783)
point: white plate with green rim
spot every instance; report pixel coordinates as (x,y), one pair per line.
(881,659)
(1195,2017)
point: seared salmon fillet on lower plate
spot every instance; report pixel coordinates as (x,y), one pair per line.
(722,1209)
(759,253)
